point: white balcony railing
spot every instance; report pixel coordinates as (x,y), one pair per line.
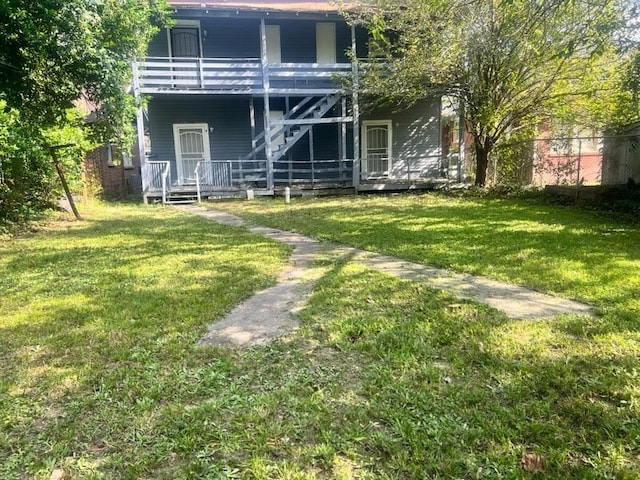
(235,75)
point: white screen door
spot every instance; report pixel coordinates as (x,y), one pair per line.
(376,148)
(325,42)
(192,146)
(274,53)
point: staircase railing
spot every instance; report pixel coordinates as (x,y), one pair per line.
(318,109)
(259,140)
(166,172)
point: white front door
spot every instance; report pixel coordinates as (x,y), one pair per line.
(376,148)
(325,42)
(192,146)
(274,53)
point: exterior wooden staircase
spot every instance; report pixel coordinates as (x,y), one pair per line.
(294,125)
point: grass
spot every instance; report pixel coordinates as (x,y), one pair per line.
(564,251)
(100,377)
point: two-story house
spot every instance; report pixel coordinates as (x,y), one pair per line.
(263,94)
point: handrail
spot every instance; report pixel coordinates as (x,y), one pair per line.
(158,176)
(224,59)
(197,174)
(165,179)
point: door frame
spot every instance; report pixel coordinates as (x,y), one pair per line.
(363,136)
(178,151)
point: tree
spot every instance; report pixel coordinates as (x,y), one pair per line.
(51,53)
(508,62)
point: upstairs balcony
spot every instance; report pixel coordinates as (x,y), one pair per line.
(246,76)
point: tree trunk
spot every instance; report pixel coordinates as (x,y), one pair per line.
(482,162)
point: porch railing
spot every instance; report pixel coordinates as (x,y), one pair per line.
(234,75)
(159,177)
(403,168)
(314,171)
(214,175)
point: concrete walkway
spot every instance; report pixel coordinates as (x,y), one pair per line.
(271,312)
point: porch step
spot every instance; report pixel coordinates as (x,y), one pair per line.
(172,202)
(182,197)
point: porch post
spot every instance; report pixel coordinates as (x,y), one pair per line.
(252,121)
(343,138)
(144,174)
(265,87)
(356,111)
(311,156)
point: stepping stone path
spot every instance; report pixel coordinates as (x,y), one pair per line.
(271,312)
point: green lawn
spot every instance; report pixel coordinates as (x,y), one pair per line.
(554,249)
(100,375)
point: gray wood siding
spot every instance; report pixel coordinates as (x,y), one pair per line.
(159,45)
(297,41)
(227,116)
(415,136)
(231,38)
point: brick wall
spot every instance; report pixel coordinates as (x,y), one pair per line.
(109,175)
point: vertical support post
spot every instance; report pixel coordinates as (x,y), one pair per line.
(252,120)
(290,168)
(144,172)
(343,139)
(198,183)
(267,115)
(287,109)
(164,187)
(311,157)
(356,111)
(200,73)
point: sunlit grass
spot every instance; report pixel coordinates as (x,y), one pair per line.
(386,379)
(93,316)
(569,252)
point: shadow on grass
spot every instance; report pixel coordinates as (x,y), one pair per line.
(97,331)
(443,396)
(551,249)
